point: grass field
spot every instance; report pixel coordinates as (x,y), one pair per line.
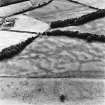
(53,66)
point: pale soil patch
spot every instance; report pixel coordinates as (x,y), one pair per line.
(22,23)
(86,102)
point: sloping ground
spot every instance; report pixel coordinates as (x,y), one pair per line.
(95,3)
(59,70)
(52,91)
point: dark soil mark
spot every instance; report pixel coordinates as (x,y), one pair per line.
(62,98)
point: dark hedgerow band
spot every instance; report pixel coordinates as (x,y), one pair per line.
(15,49)
(78,21)
(76,34)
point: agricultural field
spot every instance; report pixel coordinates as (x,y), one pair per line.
(58,69)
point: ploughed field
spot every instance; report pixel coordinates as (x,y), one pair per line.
(58,69)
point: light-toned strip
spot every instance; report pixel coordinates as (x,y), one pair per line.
(8,39)
(25,27)
(25,23)
(15,9)
(8,2)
